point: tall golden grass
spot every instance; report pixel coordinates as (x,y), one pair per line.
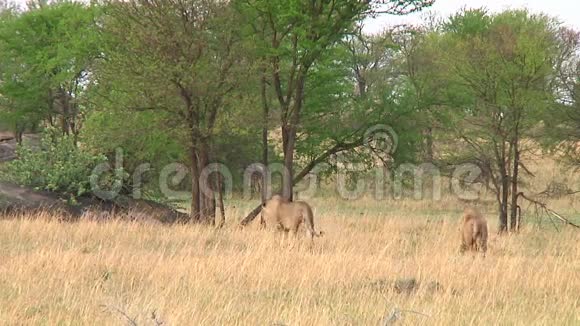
(105,273)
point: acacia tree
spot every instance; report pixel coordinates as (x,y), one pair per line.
(178,57)
(422,80)
(47,58)
(298,33)
(501,66)
(325,115)
(564,126)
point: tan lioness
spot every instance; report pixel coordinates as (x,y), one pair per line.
(473,231)
(287,216)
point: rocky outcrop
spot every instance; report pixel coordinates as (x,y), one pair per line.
(16,200)
(8,144)
(6,136)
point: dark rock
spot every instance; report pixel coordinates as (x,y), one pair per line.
(6,136)
(15,199)
(8,145)
(21,200)
(406,285)
(7,151)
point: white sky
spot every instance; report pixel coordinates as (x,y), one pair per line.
(567,11)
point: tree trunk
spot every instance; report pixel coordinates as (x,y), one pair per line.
(429,145)
(503,214)
(195,204)
(265,115)
(65,111)
(207,196)
(75,124)
(309,167)
(361,87)
(503,204)
(220,200)
(514,216)
(503,183)
(19,133)
(289,140)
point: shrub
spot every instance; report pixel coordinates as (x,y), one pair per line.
(57,165)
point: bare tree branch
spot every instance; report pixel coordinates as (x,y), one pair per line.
(551,213)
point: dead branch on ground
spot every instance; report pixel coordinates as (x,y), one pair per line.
(542,208)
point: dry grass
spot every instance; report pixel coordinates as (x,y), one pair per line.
(85,273)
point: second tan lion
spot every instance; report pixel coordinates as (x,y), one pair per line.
(288,216)
(473,231)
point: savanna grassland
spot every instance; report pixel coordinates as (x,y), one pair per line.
(177,101)
(54,273)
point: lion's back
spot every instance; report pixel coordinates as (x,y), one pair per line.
(291,213)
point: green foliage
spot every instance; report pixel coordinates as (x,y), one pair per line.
(503,71)
(311,68)
(58,165)
(336,111)
(468,23)
(140,136)
(180,76)
(46,54)
(562,122)
(237,136)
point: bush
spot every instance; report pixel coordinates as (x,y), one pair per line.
(56,165)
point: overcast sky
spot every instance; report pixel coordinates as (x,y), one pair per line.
(568,11)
